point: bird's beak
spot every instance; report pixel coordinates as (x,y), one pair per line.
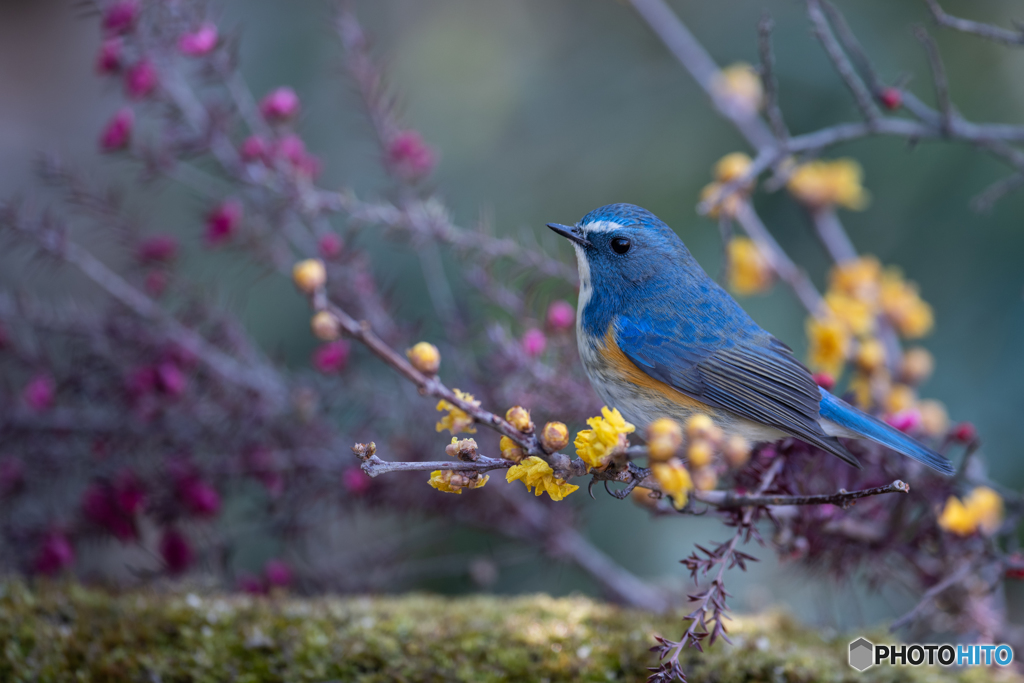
(570,233)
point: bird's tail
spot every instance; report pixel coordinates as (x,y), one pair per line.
(843,414)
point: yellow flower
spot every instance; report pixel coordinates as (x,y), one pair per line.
(732,167)
(519,417)
(749,270)
(664,437)
(981,510)
(824,183)
(705,479)
(699,454)
(726,207)
(674,480)
(934,419)
(956,518)
(325,326)
(701,426)
(457,420)
(309,275)
(870,355)
(900,397)
(453,482)
(596,445)
(554,436)
(857,315)
(736,451)
(740,86)
(534,472)
(829,344)
(904,307)
(858,278)
(425,357)
(916,366)
(510,450)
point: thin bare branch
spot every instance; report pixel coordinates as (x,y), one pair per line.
(843,498)
(823,32)
(939,80)
(987,31)
(771,84)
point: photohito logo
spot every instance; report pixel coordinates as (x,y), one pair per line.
(864,654)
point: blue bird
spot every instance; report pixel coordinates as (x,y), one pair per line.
(659,338)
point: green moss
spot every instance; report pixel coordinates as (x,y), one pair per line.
(67,632)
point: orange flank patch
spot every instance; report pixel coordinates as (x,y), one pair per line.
(627,369)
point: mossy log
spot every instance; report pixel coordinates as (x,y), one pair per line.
(65,632)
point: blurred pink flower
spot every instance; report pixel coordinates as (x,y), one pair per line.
(534,342)
(158,248)
(248,583)
(329,246)
(170,379)
(108,59)
(175,550)
(200,498)
(39,393)
(561,315)
(155,282)
(55,554)
(223,222)
(278,573)
(12,474)
(199,42)
(905,420)
(140,382)
(261,463)
(964,432)
(280,105)
(410,156)
(255,148)
(332,356)
(824,380)
(100,506)
(129,492)
(118,132)
(141,79)
(356,481)
(121,16)
(292,149)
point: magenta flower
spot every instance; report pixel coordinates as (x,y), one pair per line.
(561,315)
(410,156)
(223,222)
(278,573)
(155,283)
(199,42)
(55,554)
(255,148)
(118,132)
(121,16)
(332,356)
(39,393)
(141,80)
(905,420)
(355,481)
(108,60)
(170,379)
(176,551)
(329,246)
(199,497)
(247,583)
(158,248)
(100,506)
(534,342)
(280,105)
(824,380)
(129,492)
(12,475)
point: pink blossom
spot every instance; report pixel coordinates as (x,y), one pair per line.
(330,246)
(905,420)
(278,573)
(534,342)
(100,506)
(141,382)
(176,551)
(118,132)
(280,105)
(55,554)
(108,60)
(155,282)
(170,379)
(355,481)
(39,393)
(292,149)
(121,16)
(199,42)
(129,492)
(964,432)
(141,80)
(561,315)
(223,222)
(12,474)
(199,497)
(824,380)
(332,356)
(158,248)
(261,463)
(255,148)
(410,156)
(248,583)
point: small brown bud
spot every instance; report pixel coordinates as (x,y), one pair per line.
(463,449)
(365,450)
(554,437)
(325,326)
(424,357)
(519,417)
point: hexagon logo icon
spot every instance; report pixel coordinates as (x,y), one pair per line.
(861,654)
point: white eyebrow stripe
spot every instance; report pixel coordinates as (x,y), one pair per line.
(601,226)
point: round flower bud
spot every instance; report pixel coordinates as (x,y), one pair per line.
(510,450)
(934,420)
(701,426)
(916,366)
(664,437)
(901,397)
(736,451)
(699,454)
(731,166)
(463,449)
(704,479)
(309,275)
(519,417)
(425,357)
(554,436)
(870,355)
(326,326)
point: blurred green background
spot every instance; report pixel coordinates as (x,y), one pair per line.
(543,111)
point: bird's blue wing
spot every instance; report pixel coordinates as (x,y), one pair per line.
(755,376)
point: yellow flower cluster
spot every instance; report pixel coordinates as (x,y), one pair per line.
(425,357)
(823,183)
(606,436)
(729,168)
(536,473)
(981,510)
(457,420)
(903,306)
(453,482)
(749,270)
(740,86)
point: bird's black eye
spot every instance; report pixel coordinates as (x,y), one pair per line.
(620,245)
